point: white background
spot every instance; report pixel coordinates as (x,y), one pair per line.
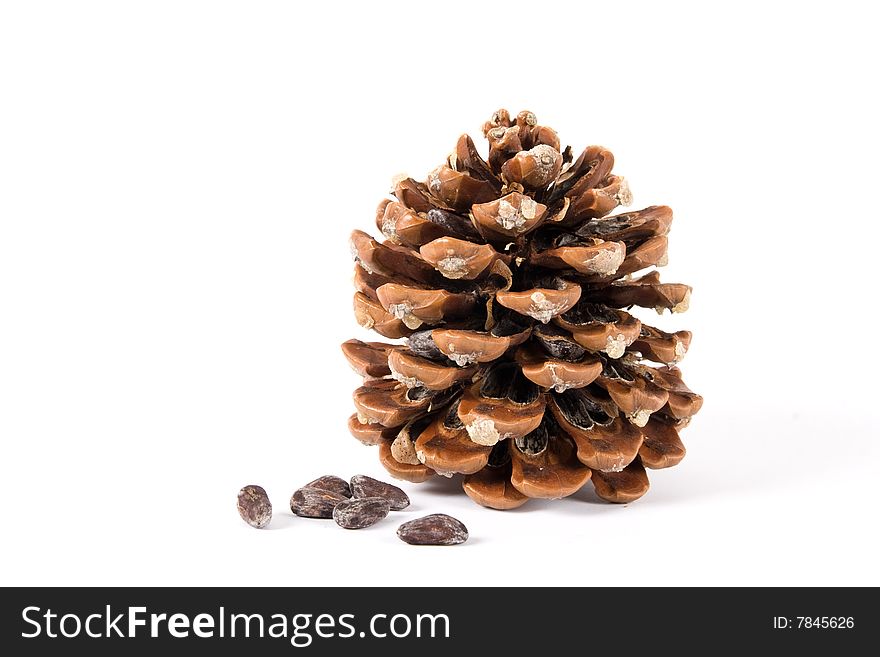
(177,183)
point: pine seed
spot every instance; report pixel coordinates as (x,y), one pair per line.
(331,483)
(254,506)
(315,503)
(364,486)
(360,512)
(436,529)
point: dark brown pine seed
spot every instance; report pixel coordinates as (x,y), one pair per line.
(331,483)
(455,223)
(436,529)
(364,486)
(360,512)
(254,506)
(315,503)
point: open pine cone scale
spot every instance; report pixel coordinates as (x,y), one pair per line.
(520,367)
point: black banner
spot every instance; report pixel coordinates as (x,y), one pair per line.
(397,621)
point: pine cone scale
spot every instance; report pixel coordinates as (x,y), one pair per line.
(545,465)
(491,487)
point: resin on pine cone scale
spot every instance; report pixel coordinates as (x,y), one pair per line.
(519,366)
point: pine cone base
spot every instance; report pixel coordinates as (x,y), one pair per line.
(519,366)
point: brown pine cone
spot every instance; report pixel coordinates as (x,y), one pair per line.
(520,368)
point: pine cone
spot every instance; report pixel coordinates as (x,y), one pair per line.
(520,368)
